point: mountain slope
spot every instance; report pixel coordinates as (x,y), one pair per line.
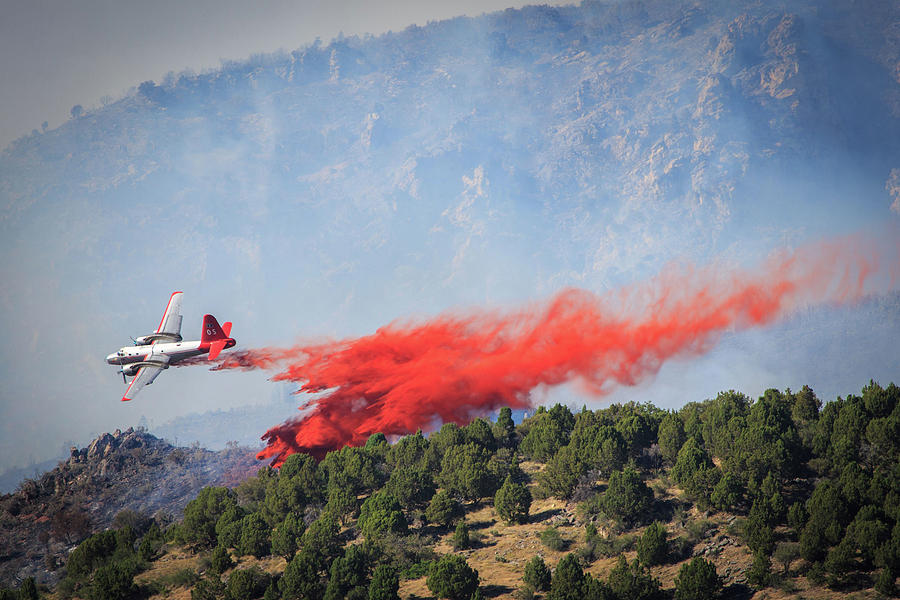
(128,470)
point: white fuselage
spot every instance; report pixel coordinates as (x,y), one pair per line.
(174,351)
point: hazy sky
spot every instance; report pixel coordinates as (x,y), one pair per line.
(55,54)
(328,250)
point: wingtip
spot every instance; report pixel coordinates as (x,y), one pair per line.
(124,399)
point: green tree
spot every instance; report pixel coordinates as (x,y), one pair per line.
(760,573)
(697,580)
(384,585)
(341,503)
(652,547)
(723,419)
(627,497)
(839,562)
(728,493)
(537,575)
(443,509)
(255,535)
(671,437)
(637,431)
(563,470)
(410,486)
(302,579)
(245,584)
(348,575)
(568,580)
(632,581)
(410,452)
(353,469)
(691,459)
(202,513)
(28,590)
(464,472)
(513,502)
(548,432)
(381,513)
(286,537)
(151,543)
(451,577)
(91,553)
(505,429)
(114,581)
(228,527)
(479,432)
(320,540)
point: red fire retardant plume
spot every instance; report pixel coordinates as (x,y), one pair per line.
(412,375)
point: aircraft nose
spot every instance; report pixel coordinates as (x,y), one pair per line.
(111,358)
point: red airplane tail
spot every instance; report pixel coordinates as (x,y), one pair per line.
(216,336)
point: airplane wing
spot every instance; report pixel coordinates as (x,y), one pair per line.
(146,375)
(171,320)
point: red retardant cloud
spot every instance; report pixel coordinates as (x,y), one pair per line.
(415,375)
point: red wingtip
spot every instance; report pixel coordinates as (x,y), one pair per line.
(124,399)
(226,328)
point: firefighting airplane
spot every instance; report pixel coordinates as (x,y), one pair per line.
(157,351)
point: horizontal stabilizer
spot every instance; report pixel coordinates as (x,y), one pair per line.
(216,347)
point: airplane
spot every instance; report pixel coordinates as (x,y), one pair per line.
(164,347)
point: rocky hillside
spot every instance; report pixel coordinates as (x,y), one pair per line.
(125,470)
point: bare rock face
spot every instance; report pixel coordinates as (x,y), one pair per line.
(43,520)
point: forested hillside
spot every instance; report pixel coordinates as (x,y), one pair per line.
(722,497)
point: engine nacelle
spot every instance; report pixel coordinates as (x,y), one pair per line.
(131,370)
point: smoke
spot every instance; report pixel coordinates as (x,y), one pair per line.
(410,375)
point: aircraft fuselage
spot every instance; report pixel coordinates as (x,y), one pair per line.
(176,351)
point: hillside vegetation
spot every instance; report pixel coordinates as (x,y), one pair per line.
(723,497)
(117,477)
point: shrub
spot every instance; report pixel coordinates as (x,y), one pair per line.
(460,540)
(697,580)
(652,545)
(220,560)
(884,584)
(452,577)
(550,537)
(208,588)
